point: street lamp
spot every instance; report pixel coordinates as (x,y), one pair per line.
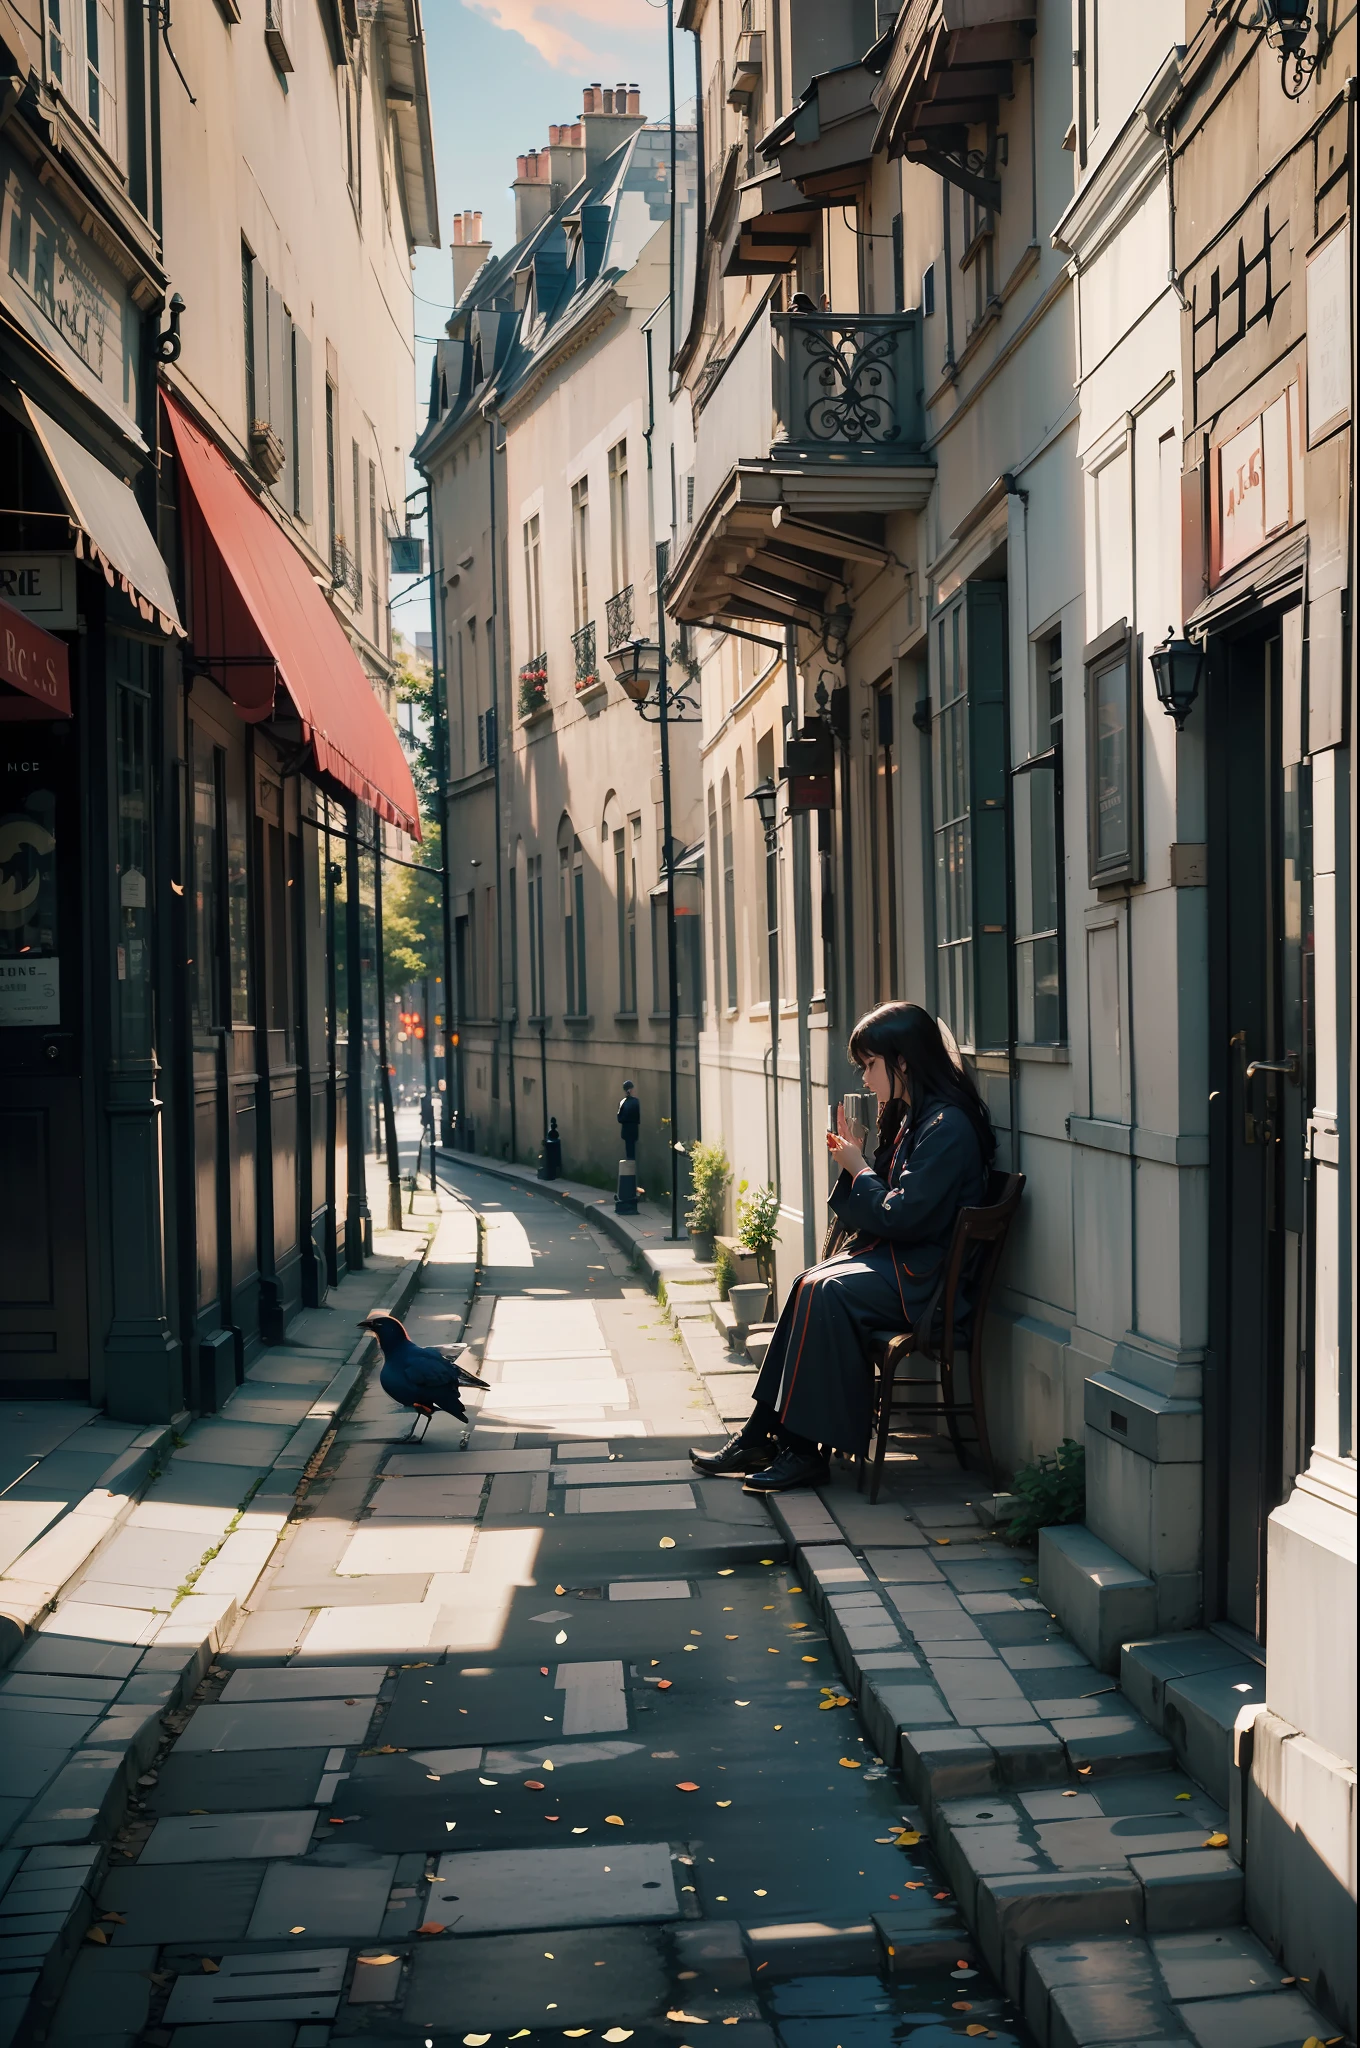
(765,797)
(637,665)
(1287,23)
(1177,667)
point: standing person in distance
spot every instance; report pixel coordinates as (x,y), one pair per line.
(630,1118)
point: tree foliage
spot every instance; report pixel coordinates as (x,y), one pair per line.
(413,930)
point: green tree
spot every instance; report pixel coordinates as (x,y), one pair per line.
(413,928)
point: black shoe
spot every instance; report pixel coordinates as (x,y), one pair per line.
(790,1468)
(735,1460)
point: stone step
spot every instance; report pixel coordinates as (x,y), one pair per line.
(1215,1989)
(1104,1602)
(1196,1690)
(724,1320)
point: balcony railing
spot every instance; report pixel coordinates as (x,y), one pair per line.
(849,384)
(618,619)
(587,674)
(533,686)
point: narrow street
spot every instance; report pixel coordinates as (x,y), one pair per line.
(534,1737)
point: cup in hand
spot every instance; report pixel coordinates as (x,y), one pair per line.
(860,1116)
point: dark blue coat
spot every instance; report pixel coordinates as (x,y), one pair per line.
(898,1226)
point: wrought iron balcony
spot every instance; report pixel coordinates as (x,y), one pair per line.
(587,673)
(618,619)
(847,386)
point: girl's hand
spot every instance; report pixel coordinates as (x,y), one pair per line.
(845,1150)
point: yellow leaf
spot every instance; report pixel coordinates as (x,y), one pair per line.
(795,1589)
(523,2035)
(614,1820)
(210,1966)
(974,2028)
(297,1930)
(1027,1582)
(908,1838)
(809,1660)
(97,1934)
(615,2034)
(1216,1842)
(725,1573)
(666,1543)
(942,1540)
(1183,1795)
(688,2017)
(475,2040)
(849,1763)
(118,1919)
(572,2034)
(722,1802)
(767,1560)
(377,1959)
(759,1895)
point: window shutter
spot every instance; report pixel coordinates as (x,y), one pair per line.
(281,393)
(302,404)
(968,737)
(257,352)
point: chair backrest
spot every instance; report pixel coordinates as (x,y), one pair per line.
(970,1266)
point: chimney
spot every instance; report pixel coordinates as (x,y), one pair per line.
(609,115)
(468,249)
(567,154)
(533,191)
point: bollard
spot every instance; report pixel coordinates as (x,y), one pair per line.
(626,1193)
(551,1167)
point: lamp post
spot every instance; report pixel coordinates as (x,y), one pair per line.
(637,665)
(1177,667)
(765,797)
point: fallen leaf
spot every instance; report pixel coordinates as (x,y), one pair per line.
(1027,1582)
(722,1802)
(571,2033)
(663,1684)
(962,2005)
(974,2028)
(942,1540)
(475,2040)
(523,2035)
(212,1968)
(849,1763)
(614,2034)
(380,1959)
(741,1703)
(613,1820)
(666,1543)
(809,1660)
(772,1653)
(561,1636)
(431,1927)
(547,1764)
(688,1786)
(908,1838)
(97,1934)
(580,1831)
(1179,1795)
(762,1895)
(767,1560)
(533,1784)
(559,1589)
(1083,1770)
(118,1919)
(292,1930)
(731,1639)
(552,1816)
(725,1572)
(488,1781)
(914,1885)
(449,1826)
(691,1646)
(689,2018)
(1218,1841)
(941,1895)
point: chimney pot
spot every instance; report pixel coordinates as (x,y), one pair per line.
(634,100)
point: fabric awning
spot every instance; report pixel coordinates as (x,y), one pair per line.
(257,615)
(110,529)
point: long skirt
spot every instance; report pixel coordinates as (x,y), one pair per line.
(816,1374)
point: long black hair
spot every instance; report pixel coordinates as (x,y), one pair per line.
(910,1041)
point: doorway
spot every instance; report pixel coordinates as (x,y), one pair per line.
(1261,1074)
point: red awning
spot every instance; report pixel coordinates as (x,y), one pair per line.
(34,664)
(257,616)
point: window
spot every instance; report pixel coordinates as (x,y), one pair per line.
(714,896)
(209,892)
(968,747)
(899,266)
(1037,812)
(82,61)
(618,516)
(373,545)
(580,553)
(300,377)
(626,844)
(1114,826)
(248,319)
(572,902)
(538,1002)
(356,579)
(332,480)
(883,850)
(533,586)
(729,897)
(689,959)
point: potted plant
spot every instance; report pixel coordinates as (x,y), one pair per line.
(758,1226)
(710,1175)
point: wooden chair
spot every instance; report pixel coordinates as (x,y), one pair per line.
(970,1266)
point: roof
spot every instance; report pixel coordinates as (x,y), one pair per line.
(408,103)
(553,287)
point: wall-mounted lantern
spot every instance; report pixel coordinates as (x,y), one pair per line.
(1177,667)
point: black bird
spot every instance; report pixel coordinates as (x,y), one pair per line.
(416,1376)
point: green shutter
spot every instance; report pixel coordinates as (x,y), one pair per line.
(968,651)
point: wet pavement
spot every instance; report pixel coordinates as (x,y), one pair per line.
(536,1740)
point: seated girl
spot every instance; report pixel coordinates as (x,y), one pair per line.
(883,1256)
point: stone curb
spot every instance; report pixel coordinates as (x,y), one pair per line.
(41,1573)
(68,1826)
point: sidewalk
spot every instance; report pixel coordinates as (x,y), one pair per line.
(547,1739)
(113,1608)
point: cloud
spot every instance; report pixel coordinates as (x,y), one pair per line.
(591,35)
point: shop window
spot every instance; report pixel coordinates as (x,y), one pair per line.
(1036,802)
(130,661)
(1114,727)
(207,932)
(968,749)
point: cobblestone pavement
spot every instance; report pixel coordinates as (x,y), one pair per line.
(547,1739)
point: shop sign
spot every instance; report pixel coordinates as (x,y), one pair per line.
(1254,483)
(65,294)
(42,587)
(30,992)
(34,663)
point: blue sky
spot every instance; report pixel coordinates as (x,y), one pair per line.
(500,72)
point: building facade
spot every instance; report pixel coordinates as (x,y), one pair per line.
(989,362)
(208,391)
(545,468)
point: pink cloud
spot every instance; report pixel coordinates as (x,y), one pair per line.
(590,35)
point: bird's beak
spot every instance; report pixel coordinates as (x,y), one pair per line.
(364,1325)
